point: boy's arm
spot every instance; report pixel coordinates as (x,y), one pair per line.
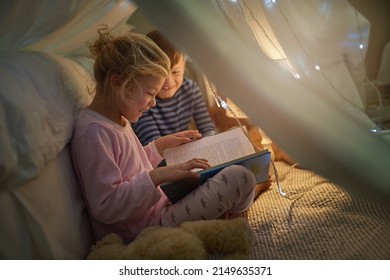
(146,129)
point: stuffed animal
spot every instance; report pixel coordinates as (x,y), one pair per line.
(226,239)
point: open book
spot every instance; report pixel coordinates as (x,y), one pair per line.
(221,150)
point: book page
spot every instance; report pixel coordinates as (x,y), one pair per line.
(217,149)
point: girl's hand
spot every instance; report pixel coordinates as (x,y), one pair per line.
(178,171)
(176,139)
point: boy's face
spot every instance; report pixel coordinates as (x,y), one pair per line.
(174,80)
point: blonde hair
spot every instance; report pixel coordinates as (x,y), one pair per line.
(130,56)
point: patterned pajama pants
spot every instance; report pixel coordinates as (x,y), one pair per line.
(231,190)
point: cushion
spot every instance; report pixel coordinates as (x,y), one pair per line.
(39,97)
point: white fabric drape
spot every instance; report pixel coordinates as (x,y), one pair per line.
(383,77)
(316,118)
(311,124)
(59,27)
(334,43)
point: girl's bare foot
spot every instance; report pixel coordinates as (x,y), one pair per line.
(262,187)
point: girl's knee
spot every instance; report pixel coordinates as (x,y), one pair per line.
(241,174)
(242,184)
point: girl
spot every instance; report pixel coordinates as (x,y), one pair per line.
(117,174)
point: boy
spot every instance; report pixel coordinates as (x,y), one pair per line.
(178,102)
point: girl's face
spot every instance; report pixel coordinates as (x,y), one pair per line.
(173,81)
(141,97)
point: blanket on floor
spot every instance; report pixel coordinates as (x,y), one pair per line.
(320,221)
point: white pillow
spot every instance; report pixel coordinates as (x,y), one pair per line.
(39,97)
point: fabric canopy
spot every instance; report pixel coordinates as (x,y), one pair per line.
(325,132)
(59,27)
(312,108)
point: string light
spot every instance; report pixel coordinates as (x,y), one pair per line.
(269,3)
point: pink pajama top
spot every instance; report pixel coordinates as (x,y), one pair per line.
(113,170)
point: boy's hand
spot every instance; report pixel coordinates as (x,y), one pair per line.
(176,139)
(178,171)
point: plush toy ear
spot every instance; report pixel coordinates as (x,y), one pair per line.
(233,239)
(161,243)
(109,248)
(108,239)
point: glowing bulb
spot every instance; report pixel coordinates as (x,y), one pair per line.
(317,67)
(224,104)
(297,76)
(361,46)
(269,3)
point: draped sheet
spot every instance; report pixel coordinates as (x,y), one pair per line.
(320,131)
(59,27)
(323,131)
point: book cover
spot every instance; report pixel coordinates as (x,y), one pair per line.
(258,163)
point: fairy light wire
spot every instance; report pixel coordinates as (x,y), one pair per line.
(222,103)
